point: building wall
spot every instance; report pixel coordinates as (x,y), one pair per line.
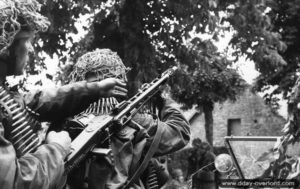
(256,118)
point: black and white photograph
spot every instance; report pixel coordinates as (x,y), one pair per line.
(149,94)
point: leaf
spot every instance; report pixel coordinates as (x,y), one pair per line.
(295,170)
(270,156)
(49,76)
(39,82)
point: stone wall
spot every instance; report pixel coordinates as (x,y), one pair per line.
(256,119)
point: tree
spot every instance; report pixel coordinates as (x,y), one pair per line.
(267,32)
(151,36)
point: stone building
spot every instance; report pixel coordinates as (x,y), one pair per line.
(248,116)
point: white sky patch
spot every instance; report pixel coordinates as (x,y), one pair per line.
(246,69)
(82,22)
(283,110)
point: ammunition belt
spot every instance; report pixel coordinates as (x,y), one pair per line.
(152,182)
(22,126)
(102,106)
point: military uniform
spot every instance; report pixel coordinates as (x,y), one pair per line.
(43,168)
(129,145)
(128,148)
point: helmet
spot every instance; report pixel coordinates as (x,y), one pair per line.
(197,142)
(16,15)
(177,172)
(103,62)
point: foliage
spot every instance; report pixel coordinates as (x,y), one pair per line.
(267,32)
(149,36)
(211,82)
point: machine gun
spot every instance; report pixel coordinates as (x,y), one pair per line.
(96,126)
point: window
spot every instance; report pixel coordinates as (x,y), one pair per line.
(234,127)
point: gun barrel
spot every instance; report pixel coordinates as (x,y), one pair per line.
(149,91)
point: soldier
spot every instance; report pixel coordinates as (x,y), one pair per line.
(178,181)
(25,163)
(130,144)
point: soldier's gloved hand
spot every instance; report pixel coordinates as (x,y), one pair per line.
(112,87)
(61,138)
(162,97)
(144,120)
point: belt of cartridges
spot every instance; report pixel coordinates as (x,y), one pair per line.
(21,128)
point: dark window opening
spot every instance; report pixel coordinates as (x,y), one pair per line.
(234,127)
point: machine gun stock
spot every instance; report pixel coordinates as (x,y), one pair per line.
(96,126)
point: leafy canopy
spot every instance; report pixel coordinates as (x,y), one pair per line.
(150,36)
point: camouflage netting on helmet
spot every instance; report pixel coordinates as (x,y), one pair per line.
(15,14)
(104,62)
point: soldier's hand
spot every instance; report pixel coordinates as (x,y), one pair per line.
(62,138)
(112,87)
(160,98)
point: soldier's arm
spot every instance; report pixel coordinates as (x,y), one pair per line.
(176,132)
(42,169)
(57,103)
(175,128)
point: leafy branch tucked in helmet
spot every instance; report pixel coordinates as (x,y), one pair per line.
(16,15)
(103,62)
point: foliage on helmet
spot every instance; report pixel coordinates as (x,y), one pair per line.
(103,62)
(16,15)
